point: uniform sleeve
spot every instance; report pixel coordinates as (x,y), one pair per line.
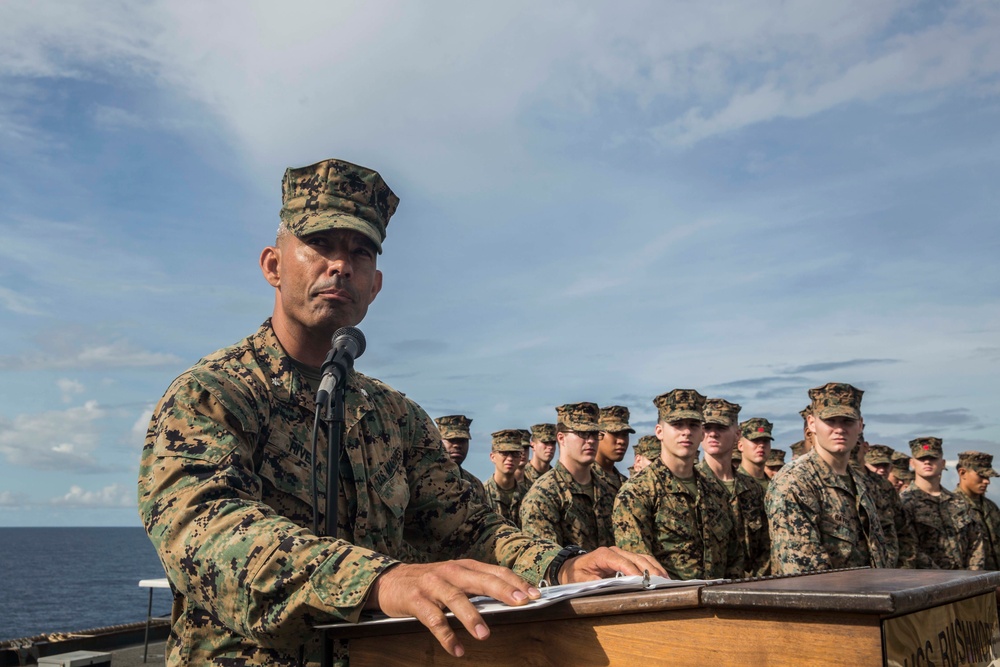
(922,559)
(633,518)
(905,535)
(540,514)
(976,559)
(259,573)
(796,544)
(736,564)
(444,519)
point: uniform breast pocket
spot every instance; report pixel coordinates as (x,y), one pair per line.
(287,481)
(389,482)
(720,526)
(837,527)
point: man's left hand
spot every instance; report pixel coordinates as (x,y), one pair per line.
(607,562)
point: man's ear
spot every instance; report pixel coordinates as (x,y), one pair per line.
(376,285)
(270,263)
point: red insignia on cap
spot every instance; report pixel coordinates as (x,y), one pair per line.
(927,446)
(760,429)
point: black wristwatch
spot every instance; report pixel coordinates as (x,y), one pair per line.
(571,551)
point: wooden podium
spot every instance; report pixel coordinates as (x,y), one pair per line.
(847,617)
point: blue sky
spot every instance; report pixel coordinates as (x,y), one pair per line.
(604,203)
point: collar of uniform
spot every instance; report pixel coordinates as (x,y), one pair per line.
(673,483)
(288,385)
(830,478)
(569,481)
(944,497)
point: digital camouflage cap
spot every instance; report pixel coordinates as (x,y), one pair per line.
(648,446)
(805,412)
(901,466)
(454,426)
(878,455)
(334,194)
(923,448)
(720,411)
(979,462)
(614,419)
(581,417)
(679,404)
(798,448)
(543,432)
(756,428)
(775,459)
(507,440)
(836,399)
(525,437)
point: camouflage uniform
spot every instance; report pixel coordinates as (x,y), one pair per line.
(613,478)
(224,493)
(693,536)
(561,509)
(986,509)
(478,490)
(949,534)
(506,502)
(531,475)
(224,482)
(900,539)
(820,520)
(747,505)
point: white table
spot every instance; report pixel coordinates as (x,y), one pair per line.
(150,584)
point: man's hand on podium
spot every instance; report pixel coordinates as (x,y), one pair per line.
(607,562)
(426,592)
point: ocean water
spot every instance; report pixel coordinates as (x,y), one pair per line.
(65,579)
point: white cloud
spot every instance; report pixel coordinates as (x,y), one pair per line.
(116,354)
(695,70)
(68,388)
(18,303)
(109,496)
(53,440)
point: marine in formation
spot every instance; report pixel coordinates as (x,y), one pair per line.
(821,512)
(671,510)
(572,503)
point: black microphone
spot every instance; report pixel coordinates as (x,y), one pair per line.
(347,345)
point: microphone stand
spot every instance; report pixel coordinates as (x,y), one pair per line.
(330,409)
(333,415)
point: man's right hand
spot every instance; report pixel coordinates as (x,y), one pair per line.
(427,591)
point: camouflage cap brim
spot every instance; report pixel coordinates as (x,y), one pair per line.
(304,223)
(678,415)
(507,447)
(454,433)
(582,427)
(831,411)
(615,427)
